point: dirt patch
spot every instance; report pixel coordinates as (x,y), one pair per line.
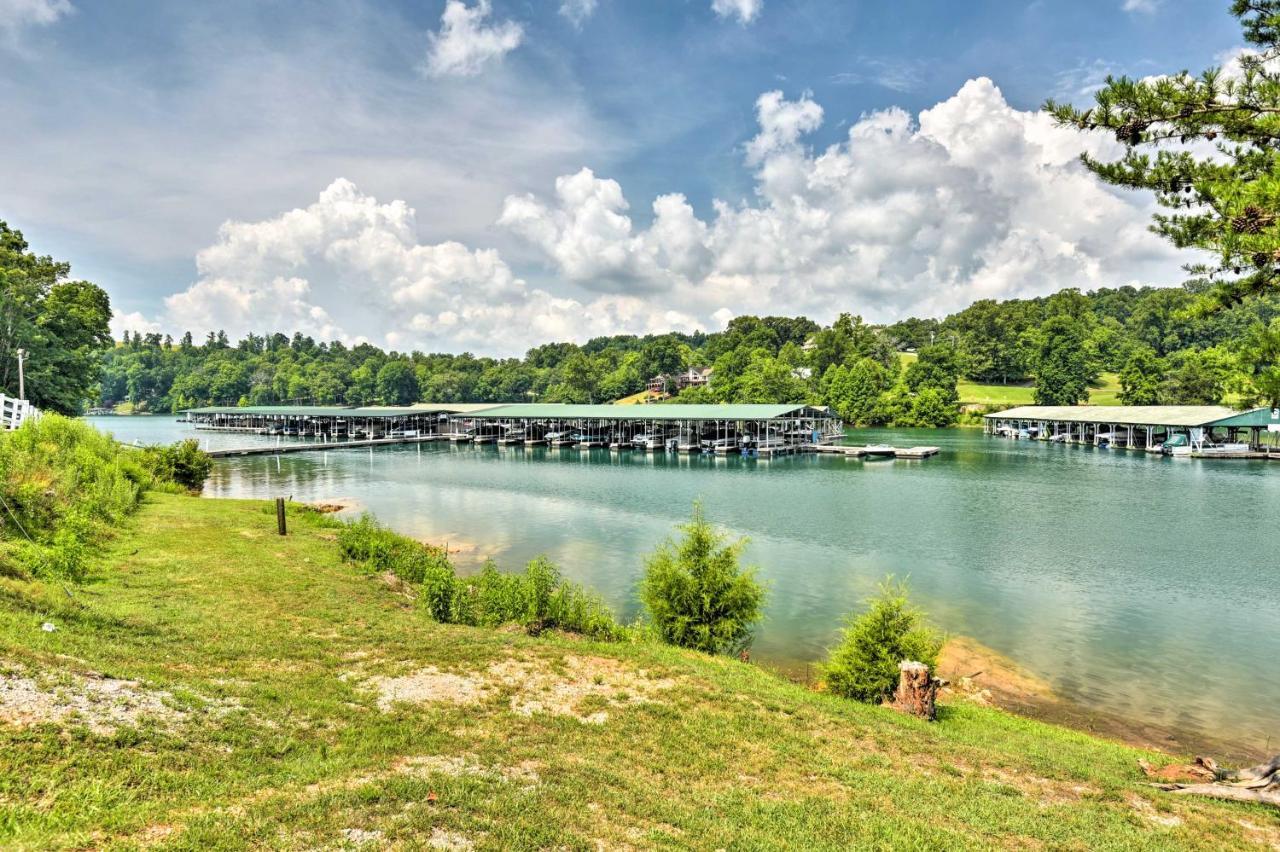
(1045,791)
(102,704)
(429,685)
(361,836)
(422,766)
(584,688)
(586,680)
(1260,834)
(1148,812)
(441,839)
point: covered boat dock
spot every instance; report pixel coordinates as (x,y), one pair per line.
(719,429)
(1196,430)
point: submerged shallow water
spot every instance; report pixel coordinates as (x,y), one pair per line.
(1143,586)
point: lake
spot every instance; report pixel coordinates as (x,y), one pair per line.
(1139,585)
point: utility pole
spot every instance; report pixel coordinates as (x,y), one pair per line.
(22,387)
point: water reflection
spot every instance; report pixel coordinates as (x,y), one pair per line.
(1142,585)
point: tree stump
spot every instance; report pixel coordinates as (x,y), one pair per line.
(917,690)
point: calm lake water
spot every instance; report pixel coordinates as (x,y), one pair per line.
(1139,585)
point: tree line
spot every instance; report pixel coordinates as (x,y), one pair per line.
(1163,349)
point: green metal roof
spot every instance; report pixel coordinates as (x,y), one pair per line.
(488,410)
(643,412)
(1141,415)
(339,411)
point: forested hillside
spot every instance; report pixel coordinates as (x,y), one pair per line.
(1164,349)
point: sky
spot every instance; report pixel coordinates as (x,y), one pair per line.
(487,175)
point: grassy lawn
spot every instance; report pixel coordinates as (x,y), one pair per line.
(1102,393)
(232,688)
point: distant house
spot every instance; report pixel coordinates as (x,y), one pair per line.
(666,383)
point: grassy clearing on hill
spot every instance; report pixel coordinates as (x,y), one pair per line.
(971,393)
(217,685)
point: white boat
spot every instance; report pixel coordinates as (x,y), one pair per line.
(649,441)
(879,451)
(560,439)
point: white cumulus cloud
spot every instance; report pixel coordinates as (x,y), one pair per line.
(351,267)
(745,11)
(971,199)
(15,14)
(465,43)
(577,11)
(904,215)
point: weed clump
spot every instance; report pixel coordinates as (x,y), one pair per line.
(864,665)
(183,463)
(64,487)
(539,599)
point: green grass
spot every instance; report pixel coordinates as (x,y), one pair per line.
(971,393)
(265,647)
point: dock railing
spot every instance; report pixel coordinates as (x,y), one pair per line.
(14,412)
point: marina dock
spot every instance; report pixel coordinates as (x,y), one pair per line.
(865,452)
(287,447)
(1192,431)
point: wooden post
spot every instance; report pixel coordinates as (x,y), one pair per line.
(280,525)
(917,690)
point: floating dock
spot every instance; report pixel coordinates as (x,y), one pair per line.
(864,452)
(317,446)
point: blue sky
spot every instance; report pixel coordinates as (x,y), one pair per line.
(485,175)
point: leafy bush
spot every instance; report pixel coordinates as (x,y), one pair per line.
(63,487)
(183,463)
(367,542)
(864,665)
(539,599)
(696,593)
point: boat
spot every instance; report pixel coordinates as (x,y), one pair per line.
(650,441)
(688,442)
(720,446)
(1176,445)
(879,451)
(560,439)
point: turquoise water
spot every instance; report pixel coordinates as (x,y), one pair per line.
(1140,585)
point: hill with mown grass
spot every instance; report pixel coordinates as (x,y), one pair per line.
(215,684)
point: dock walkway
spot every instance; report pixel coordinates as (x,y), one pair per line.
(315,446)
(300,447)
(860,452)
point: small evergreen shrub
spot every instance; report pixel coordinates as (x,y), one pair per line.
(696,593)
(864,665)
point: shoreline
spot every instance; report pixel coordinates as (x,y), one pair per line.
(977,673)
